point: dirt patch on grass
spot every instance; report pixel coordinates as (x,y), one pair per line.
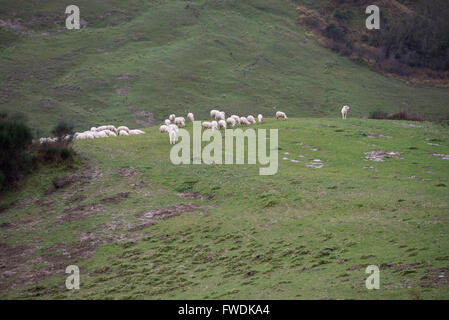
(127,172)
(435,277)
(149,217)
(194,195)
(142,117)
(380,155)
(80,212)
(13,265)
(116,199)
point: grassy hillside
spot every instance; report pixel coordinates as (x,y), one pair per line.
(135,62)
(140,227)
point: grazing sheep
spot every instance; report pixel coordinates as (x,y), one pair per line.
(222,124)
(163,128)
(214,125)
(173,127)
(180,121)
(244,121)
(167,122)
(231,121)
(206,125)
(259,118)
(281,115)
(213,113)
(220,116)
(190,117)
(172,117)
(344,112)
(251,119)
(172,135)
(236,118)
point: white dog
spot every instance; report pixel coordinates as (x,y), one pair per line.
(344,112)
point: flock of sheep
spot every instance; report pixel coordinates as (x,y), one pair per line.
(219,121)
(172,124)
(100,132)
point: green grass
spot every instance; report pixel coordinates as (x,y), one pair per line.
(231,55)
(303,233)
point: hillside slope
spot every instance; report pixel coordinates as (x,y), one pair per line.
(135,62)
(140,227)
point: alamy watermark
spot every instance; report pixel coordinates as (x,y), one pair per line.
(373,281)
(73,20)
(212,153)
(373,21)
(73,281)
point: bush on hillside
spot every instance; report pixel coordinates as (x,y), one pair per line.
(15,159)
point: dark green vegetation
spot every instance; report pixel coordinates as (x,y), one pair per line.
(15,140)
(140,227)
(135,62)
(412,42)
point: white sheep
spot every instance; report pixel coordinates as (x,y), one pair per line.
(213,113)
(93,129)
(101,134)
(259,118)
(167,122)
(136,131)
(251,119)
(163,128)
(172,135)
(190,117)
(214,125)
(206,125)
(123,133)
(109,133)
(122,128)
(180,121)
(172,117)
(231,121)
(220,116)
(88,135)
(236,118)
(222,124)
(173,127)
(244,121)
(281,115)
(344,112)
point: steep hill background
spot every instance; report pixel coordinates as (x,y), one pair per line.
(135,62)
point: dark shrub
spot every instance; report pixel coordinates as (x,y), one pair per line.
(63,128)
(15,139)
(334,32)
(378,115)
(404,115)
